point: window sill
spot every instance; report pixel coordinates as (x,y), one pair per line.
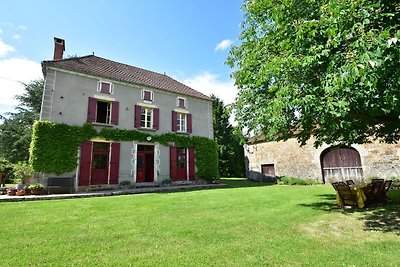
(102,124)
(147,129)
(182,133)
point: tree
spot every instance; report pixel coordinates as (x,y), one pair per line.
(230,150)
(15,132)
(322,68)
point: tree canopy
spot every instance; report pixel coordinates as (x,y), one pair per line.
(15,132)
(322,68)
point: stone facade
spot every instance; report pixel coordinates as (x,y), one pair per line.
(290,159)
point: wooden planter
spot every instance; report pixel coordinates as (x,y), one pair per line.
(36,191)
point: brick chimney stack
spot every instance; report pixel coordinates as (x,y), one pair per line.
(59,48)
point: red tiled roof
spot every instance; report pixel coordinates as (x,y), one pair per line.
(104,68)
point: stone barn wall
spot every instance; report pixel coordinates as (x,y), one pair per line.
(289,159)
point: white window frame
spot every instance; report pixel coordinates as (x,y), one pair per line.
(147,110)
(181,125)
(151,95)
(99,83)
(184,102)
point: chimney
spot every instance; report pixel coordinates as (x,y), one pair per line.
(59,48)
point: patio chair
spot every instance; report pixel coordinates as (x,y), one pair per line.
(347,196)
(388,184)
(350,182)
(376,191)
(335,184)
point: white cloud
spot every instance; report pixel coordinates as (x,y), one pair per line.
(208,83)
(13,71)
(16,37)
(223,44)
(22,27)
(5,49)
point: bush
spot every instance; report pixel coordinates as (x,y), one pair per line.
(23,172)
(295,181)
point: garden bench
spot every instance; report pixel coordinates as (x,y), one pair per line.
(60,183)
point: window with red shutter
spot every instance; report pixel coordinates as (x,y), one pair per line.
(147,95)
(105,87)
(181,102)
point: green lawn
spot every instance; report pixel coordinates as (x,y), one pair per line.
(248,224)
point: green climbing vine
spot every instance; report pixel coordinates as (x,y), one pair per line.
(54,146)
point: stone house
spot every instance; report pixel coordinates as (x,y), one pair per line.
(325,164)
(110,94)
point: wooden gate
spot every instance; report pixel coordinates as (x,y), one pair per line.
(340,164)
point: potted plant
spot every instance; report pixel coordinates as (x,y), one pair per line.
(166,182)
(125,184)
(36,189)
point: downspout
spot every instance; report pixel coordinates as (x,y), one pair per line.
(77,171)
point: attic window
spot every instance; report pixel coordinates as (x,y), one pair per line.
(105,87)
(181,102)
(147,95)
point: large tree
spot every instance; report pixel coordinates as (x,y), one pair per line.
(230,150)
(322,68)
(15,132)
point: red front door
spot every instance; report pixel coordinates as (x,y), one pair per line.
(100,163)
(145,164)
(181,164)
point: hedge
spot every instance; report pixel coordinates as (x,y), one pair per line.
(54,146)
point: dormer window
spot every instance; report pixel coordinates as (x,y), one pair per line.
(147,95)
(105,87)
(181,102)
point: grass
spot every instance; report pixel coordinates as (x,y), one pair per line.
(248,224)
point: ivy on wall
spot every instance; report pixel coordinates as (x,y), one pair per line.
(54,146)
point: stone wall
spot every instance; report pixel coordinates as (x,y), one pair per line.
(290,159)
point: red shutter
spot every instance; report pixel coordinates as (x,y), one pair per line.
(181,102)
(156,118)
(174,121)
(192,165)
(138,109)
(172,161)
(114,162)
(114,112)
(147,95)
(91,116)
(105,88)
(189,123)
(85,165)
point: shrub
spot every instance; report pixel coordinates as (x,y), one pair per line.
(295,181)
(22,171)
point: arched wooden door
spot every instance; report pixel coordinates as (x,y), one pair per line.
(340,164)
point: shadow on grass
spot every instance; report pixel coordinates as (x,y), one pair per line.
(383,217)
(242,182)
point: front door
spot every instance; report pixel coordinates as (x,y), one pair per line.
(145,164)
(181,163)
(100,163)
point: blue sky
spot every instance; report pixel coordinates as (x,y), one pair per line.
(189,40)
